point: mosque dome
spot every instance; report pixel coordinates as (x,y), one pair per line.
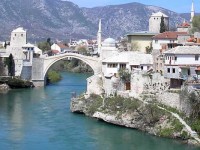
(109,42)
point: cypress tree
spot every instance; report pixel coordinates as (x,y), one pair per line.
(11,65)
(162,25)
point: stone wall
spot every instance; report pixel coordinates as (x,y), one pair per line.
(26,73)
(94,85)
(170,99)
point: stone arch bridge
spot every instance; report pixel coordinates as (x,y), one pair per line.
(41,65)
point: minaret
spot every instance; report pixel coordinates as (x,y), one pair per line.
(192,11)
(99,38)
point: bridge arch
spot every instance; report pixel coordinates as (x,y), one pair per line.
(93,62)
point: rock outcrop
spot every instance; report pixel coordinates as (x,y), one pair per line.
(131,113)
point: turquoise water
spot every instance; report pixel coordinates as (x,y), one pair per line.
(40,119)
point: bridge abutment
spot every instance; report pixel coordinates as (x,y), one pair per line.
(37,72)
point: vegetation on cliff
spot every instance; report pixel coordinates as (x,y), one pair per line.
(191,97)
(132,113)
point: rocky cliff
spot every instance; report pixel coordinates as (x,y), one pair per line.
(131,113)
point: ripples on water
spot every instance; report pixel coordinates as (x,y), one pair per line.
(39,119)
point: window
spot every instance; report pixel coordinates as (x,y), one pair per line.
(112,65)
(189,72)
(122,66)
(175,58)
(22,35)
(156,41)
(173,70)
(141,67)
(196,57)
(168,70)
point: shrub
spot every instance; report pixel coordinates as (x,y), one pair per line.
(53,76)
(166,132)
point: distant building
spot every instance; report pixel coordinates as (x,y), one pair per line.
(184,27)
(60,47)
(155,20)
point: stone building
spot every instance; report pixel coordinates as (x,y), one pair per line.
(182,64)
(22,52)
(155,20)
(139,41)
(114,61)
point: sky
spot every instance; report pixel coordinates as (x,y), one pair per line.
(180,6)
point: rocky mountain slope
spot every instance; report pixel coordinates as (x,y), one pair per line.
(122,19)
(63,19)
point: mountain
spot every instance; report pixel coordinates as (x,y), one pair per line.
(44,18)
(59,19)
(120,19)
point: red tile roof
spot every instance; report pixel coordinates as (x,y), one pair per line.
(62,46)
(168,35)
(184,25)
(54,51)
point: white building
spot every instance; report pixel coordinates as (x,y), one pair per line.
(181,63)
(18,37)
(22,52)
(55,47)
(113,61)
(108,48)
(155,20)
(131,61)
(166,40)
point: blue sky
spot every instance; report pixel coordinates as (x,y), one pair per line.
(174,5)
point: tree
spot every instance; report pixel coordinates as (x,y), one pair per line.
(11,65)
(44,46)
(162,25)
(82,49)
(149,49)
(195,24)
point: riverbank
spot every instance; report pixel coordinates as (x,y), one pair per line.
(132,113)
(13,83)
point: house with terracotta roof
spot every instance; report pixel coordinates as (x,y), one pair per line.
(184,27)
(182,64)
(166,40)
(59,47)
(161,42)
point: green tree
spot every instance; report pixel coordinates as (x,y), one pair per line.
(46,45)
(11,65)
(149,49)
(162,25)
(82,49)
(195,24)
(125,75)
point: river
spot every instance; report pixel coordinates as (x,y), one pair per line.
(40,119)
